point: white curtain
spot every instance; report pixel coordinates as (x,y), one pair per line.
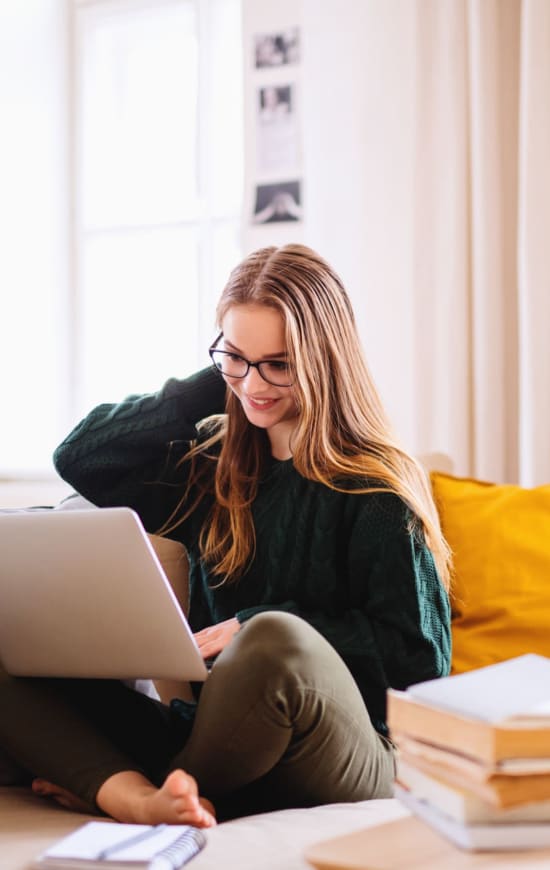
(453,113)
(482,230)
(534,243)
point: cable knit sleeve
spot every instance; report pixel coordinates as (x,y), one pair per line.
(114,455)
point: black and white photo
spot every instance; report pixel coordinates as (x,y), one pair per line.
(278,202)
(277,49)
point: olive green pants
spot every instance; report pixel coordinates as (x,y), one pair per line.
(279,723)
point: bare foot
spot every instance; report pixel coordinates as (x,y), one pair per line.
(130,797)
(66,798)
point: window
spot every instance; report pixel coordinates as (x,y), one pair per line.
(158,160)
(151,176)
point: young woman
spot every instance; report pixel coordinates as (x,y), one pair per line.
(317,567)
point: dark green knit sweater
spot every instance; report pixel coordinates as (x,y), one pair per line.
(347,563)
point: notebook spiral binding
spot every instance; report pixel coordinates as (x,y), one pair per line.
(183,849)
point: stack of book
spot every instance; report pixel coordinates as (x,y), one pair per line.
(473,755)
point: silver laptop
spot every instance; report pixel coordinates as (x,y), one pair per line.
(83,594)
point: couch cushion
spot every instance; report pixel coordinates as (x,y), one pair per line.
(500,538)
(173,557)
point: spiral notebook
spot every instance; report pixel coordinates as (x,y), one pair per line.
(107,845)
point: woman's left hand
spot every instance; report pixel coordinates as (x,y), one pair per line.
(213,639)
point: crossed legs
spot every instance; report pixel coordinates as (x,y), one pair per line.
(280,723)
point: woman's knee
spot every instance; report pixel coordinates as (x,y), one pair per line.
(273,634)
(277,646)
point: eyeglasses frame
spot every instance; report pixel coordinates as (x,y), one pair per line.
(250,365)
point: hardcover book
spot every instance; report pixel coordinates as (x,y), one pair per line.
(482,837)
(496,787)
(515,690)
(462,805)
(486,741)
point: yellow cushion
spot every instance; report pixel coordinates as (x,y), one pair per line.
(500,538)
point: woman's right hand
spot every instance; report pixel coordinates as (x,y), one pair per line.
(214,639)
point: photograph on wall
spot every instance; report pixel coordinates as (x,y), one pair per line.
(278,148)
(277,49)
(275,103)
(278,202)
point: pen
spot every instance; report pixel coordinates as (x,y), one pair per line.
(129,841)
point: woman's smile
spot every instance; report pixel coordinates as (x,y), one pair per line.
(260,404)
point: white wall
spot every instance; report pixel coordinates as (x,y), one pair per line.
(357,108)
(33,221)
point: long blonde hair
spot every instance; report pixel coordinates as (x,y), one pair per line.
(342,431)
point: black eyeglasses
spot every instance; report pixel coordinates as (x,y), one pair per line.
(276,372)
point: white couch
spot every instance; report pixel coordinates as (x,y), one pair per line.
(271,841)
